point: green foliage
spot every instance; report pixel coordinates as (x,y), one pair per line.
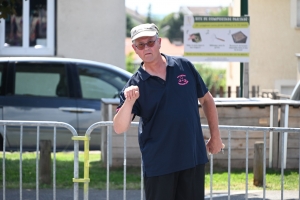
(129,25)
(212,76)
(149,17)
(129,62)
(171,26)
(223,12)
(7,8)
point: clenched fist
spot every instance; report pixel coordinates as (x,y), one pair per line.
(132,93)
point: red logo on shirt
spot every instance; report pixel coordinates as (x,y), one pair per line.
(182,80)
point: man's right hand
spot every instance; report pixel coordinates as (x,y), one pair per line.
(132,93)
(124,116)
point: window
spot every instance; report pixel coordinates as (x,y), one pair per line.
(295,13)
(298,13)
(97,83)
(30,31)
(41,80)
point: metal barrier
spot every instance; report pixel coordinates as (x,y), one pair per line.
(39,124)
(247,129)
(109,124)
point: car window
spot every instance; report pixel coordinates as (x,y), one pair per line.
(41,79)
(97,83)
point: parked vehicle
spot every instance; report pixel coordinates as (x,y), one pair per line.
(55,89)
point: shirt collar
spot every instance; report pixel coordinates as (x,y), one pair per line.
(145,75)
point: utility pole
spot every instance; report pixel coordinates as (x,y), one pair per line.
(244,11)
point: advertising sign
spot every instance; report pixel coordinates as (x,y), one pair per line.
(212,38)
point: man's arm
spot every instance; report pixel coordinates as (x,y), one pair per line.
(214,144)
(124,115)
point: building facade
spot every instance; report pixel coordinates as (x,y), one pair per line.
(275,42)
(93,30)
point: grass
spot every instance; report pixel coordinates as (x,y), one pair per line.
(65,166)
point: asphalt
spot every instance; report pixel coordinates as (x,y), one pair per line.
(67,194)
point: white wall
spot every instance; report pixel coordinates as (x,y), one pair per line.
(93,29)
(274,42)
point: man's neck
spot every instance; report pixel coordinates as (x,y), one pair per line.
(157,68)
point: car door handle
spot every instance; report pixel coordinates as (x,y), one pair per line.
(86,110)
(77,110)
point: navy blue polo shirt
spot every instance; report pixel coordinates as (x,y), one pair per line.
(169,133)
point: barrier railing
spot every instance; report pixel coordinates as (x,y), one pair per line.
(109,124)
(39,124)
(230,129)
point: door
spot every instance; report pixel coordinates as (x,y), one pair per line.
(96,82)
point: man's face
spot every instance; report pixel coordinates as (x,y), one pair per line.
(147,48)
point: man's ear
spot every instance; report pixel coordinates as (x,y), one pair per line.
(159,40)
(134,47)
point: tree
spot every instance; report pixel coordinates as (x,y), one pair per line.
(7,8)
(213,77)
(130,62)
(129,25)
(171,27)
(149,17)
(222,12)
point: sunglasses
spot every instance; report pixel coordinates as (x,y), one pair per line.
(150,43)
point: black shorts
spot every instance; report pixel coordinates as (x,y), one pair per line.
(182,185)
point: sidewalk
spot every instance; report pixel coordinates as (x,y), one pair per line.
(67,194)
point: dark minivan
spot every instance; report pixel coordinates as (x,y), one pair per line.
(55,89)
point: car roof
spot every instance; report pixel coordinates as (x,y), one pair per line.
(72,60)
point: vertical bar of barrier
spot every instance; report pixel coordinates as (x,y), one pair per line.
(20,166)
(299,167)
(247,164)
(229,158)
(107,164)
(286,122)
(109,128)
(37,161)
(211,175)
(142,180)
(282,164)
(54,163)
(3,161)
(109,148)
(125,164)
(271,138)
(86,167)
(264,166)
(76,169)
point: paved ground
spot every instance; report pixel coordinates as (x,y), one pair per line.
(47,194)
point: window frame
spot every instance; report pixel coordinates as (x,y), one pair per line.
(48,69)
(25,49)
(295,13)
(102,69)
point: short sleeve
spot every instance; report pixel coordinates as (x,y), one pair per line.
(201,86)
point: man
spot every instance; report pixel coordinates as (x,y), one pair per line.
(164,92)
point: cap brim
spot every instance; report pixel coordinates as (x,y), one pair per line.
(144,34)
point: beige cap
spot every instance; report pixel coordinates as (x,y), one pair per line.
(143,30)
